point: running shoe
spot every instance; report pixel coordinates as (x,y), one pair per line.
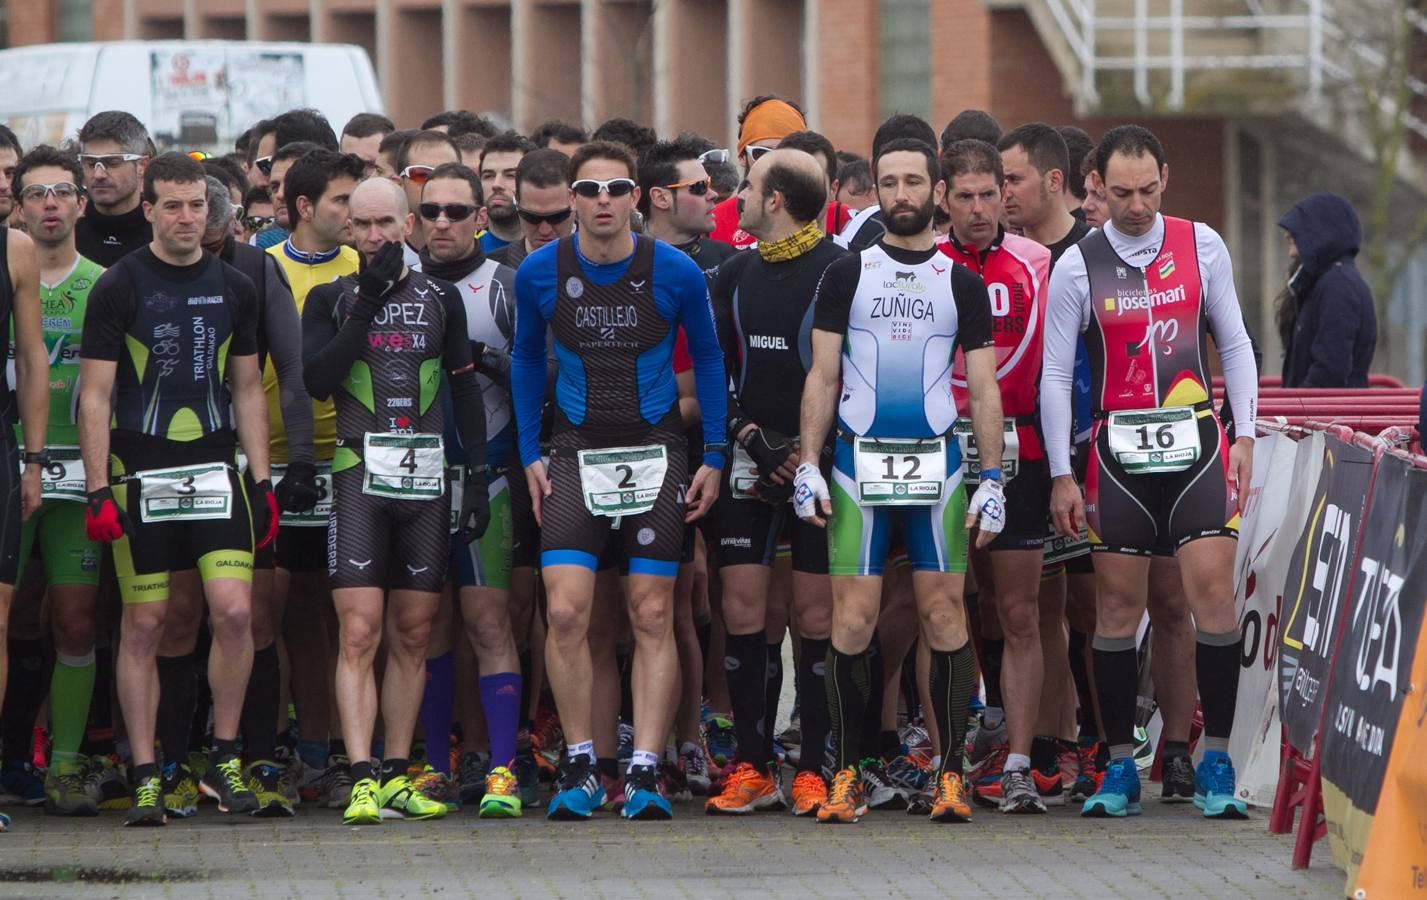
(644,797)
(197,762)
(676,784)
(436,786)
(527,776)
(1087,778)
(65,794)
(1214,788)
(1048,786)
(949,803)
(792,736)
(909,775)
(4,822)
(1119,793)
(292,772)
(985,777)
(626,744)
(471,776)
(1019,792)
(809,792)
(1144,750)
(265,780)
(578,792)
(613,787)
(1177,779)
(985,741)
(106,781)
(744,790)
(400,799)
(547,740)
(180,791)
(881,792)
(1068,758)
(720,742)
(22,783)
(501,798)
(846,802)
(335,788)
(920,803)
(147,809)
(224,782)
(363,807)
(696,769)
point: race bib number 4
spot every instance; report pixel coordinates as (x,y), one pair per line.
(1154,441)
(971,454)
(893,472)
(404,466)
(316,516)
(622,481)
(185,493)
(63,478)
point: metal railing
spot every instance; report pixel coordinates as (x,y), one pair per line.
(1304,34)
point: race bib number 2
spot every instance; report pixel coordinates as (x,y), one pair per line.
(622,481)
(892,472)
(1154,441)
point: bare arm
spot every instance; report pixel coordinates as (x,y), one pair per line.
(985,397)
(688,401)
(31,361)
(820,389)
(96,388)
(250,409)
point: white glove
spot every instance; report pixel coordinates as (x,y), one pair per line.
(809,487)
(989,504)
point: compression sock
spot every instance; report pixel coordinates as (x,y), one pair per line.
(745,664)
(24,693)
(703,628)
(436,704)
(1216,661)
(500,697)
(953,678)
(812,703)
(871,737)
(1116,676)
(625,664)
(178,689)
(260,703)
(99,730)
(526,723)
(849,684)
(1080,674)
(772,690)
(1045,756)
(991,651)
(71,686)
(199,727)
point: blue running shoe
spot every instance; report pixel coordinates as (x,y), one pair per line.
(579,793)
(22,783)
(1214,788)
(644,795)
(1119,793)
(719,742)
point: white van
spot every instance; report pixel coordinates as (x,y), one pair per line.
(192,95)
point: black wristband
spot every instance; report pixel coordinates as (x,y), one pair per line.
(40,459)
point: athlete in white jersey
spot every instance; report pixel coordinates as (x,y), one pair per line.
(886,327)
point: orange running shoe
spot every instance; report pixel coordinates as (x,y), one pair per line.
(809,793)
(949,804)
(745,790)
(846,803)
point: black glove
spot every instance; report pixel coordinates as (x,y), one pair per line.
(491,362)
(771,492)
(475,507)
(299,491)
(379,277)
(768,449)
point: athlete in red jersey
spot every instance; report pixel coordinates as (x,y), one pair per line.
(1147,291)
(1016,271)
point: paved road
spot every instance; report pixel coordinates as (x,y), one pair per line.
(1168,852)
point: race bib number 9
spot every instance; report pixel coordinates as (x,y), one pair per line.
(892,472)
(622,481)
(404,466)
(185,493)
(1154,441)
(316,516)
(971,454)
(63,478)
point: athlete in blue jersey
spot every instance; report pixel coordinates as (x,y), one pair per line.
(614,304)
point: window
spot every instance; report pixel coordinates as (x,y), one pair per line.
(74,20)
(906,57)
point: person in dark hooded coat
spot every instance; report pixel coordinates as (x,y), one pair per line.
(1326,316)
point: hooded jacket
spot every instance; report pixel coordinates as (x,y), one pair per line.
(1334,334)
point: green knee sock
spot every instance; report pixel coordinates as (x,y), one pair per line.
(71,686)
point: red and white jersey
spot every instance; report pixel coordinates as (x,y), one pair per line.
(1016,271)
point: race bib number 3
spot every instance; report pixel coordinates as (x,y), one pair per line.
(1154,441)
(893,472)
(971,454)
(622,481)
(185,493)
(63,478)
(316,516)
(404,466)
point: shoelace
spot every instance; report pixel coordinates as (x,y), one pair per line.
(741,775)
(500,781)
(147,793)
(843,785)
(232,774)
(1120,778)
(1221,777)
(951,788)
(809,781)
(73,781)
(363,793)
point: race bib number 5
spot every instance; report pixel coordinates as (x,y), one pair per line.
(892,472)
(971,454)
(1154,441)
(185,493)
(622,481)
(404,466)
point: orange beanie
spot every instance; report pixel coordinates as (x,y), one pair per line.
(771,119)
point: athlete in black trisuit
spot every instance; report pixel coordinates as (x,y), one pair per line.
(114,148)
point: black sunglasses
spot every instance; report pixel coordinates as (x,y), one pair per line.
(264,164)
(455,212)
(554,218)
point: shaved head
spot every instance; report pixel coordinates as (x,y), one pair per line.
(380,195)
(379,215)
(785,190)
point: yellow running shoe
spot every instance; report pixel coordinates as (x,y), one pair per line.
(363,808)
(502,799)
(401,800)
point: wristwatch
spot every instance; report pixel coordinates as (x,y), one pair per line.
(40,459)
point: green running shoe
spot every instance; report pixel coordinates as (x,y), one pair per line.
(401,800)
(502,797)
(266,782)
(148,807)
(363,808)
(224,782)
(180,791)
(65,793)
